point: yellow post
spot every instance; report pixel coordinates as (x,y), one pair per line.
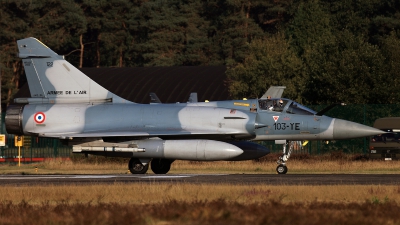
(18,141)
(19,156)
(2,140)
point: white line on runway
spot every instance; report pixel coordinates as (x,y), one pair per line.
(144,176)
(23,177)
(163,177)
(177,176)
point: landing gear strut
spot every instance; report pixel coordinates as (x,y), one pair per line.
(161,166)
(282,169)
(136,167)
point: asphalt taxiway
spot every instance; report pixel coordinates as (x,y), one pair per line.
(234,179)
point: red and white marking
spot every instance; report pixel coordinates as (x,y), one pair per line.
(39,117)
(275,118)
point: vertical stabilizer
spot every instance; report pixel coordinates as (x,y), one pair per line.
(274,92)
(51,77)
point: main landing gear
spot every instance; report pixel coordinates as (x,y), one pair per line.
(158,166)
(282,168)
(136,167)
(161,166)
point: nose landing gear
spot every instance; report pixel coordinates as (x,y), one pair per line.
(282,168)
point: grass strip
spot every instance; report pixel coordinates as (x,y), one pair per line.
(201,212)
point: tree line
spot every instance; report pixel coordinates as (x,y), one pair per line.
(324,51)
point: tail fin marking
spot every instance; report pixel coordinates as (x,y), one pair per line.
(50,76)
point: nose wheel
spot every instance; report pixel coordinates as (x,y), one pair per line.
(281,169)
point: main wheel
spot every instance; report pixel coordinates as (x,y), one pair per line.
(281,169)
(136,167)
(160,166)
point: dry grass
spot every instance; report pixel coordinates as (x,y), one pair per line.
(156,203)
(210,212)
(156,193)
(306,164)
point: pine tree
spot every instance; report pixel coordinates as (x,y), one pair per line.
(269,62)
(13,26)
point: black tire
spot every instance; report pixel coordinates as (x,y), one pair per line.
(281,169)
(160,166)
(136,167)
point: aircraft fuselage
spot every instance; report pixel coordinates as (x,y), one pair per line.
(199,120)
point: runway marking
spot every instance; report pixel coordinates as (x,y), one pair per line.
(23,177)
(28,177)
(54,177)
(148,176)
(164,177)
(92,177)
(176,176)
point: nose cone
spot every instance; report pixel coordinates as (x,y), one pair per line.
(343,129)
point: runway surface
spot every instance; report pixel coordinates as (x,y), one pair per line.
(234,179)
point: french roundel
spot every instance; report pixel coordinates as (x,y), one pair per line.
(39,117)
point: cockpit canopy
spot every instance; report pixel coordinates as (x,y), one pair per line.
(284,105)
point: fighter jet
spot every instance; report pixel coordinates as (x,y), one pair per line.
(67,105)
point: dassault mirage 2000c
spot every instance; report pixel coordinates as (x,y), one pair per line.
(68,105)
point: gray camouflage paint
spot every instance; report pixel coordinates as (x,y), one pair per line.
(67,104)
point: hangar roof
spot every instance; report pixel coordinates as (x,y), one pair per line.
(171,84)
